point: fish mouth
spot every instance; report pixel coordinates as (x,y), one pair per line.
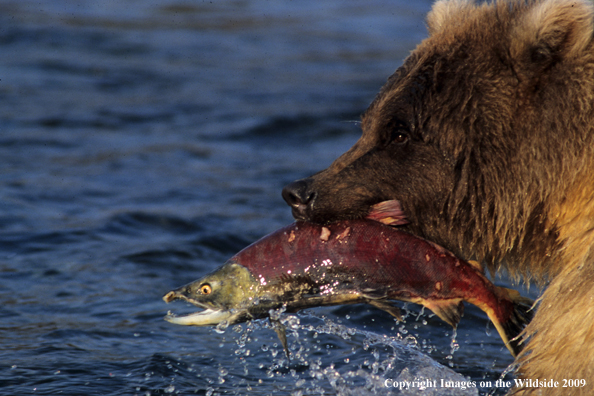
(207,317)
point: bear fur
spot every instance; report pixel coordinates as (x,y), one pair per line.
(486,137)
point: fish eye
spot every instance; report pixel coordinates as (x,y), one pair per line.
(205,289)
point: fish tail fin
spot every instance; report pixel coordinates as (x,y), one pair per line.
(511,329)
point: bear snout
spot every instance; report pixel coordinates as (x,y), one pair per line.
(300,197)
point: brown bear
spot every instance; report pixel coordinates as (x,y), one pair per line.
(485,135)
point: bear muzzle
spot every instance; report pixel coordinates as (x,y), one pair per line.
(300,197)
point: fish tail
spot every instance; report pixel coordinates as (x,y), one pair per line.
(521,314)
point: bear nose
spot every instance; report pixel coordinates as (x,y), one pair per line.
(299,197)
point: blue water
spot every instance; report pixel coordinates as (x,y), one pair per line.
(142,143)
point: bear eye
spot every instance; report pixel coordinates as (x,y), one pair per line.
(397,132)
(399,137)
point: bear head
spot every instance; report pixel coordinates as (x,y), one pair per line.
(474,134)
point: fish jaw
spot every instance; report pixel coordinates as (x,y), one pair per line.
(225,295)
(208,317)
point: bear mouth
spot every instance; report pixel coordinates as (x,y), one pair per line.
(299,212)
(388,212)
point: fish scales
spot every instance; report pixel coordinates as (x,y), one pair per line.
(304,265)
(364,250)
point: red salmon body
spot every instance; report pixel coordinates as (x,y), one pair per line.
(374,256)
(305,265)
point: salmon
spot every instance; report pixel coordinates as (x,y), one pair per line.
(305,265)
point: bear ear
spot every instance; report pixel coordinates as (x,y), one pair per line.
(447,12)
(552,30)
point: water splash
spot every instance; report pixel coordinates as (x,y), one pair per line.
(454,346)
(509,370)
(321,365)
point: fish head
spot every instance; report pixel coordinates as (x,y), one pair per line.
(225,295)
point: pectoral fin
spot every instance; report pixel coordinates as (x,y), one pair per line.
(282,335)
(450,311)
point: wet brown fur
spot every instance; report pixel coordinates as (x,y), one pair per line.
(497,161)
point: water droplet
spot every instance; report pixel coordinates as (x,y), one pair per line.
(221,327)
(410,340)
